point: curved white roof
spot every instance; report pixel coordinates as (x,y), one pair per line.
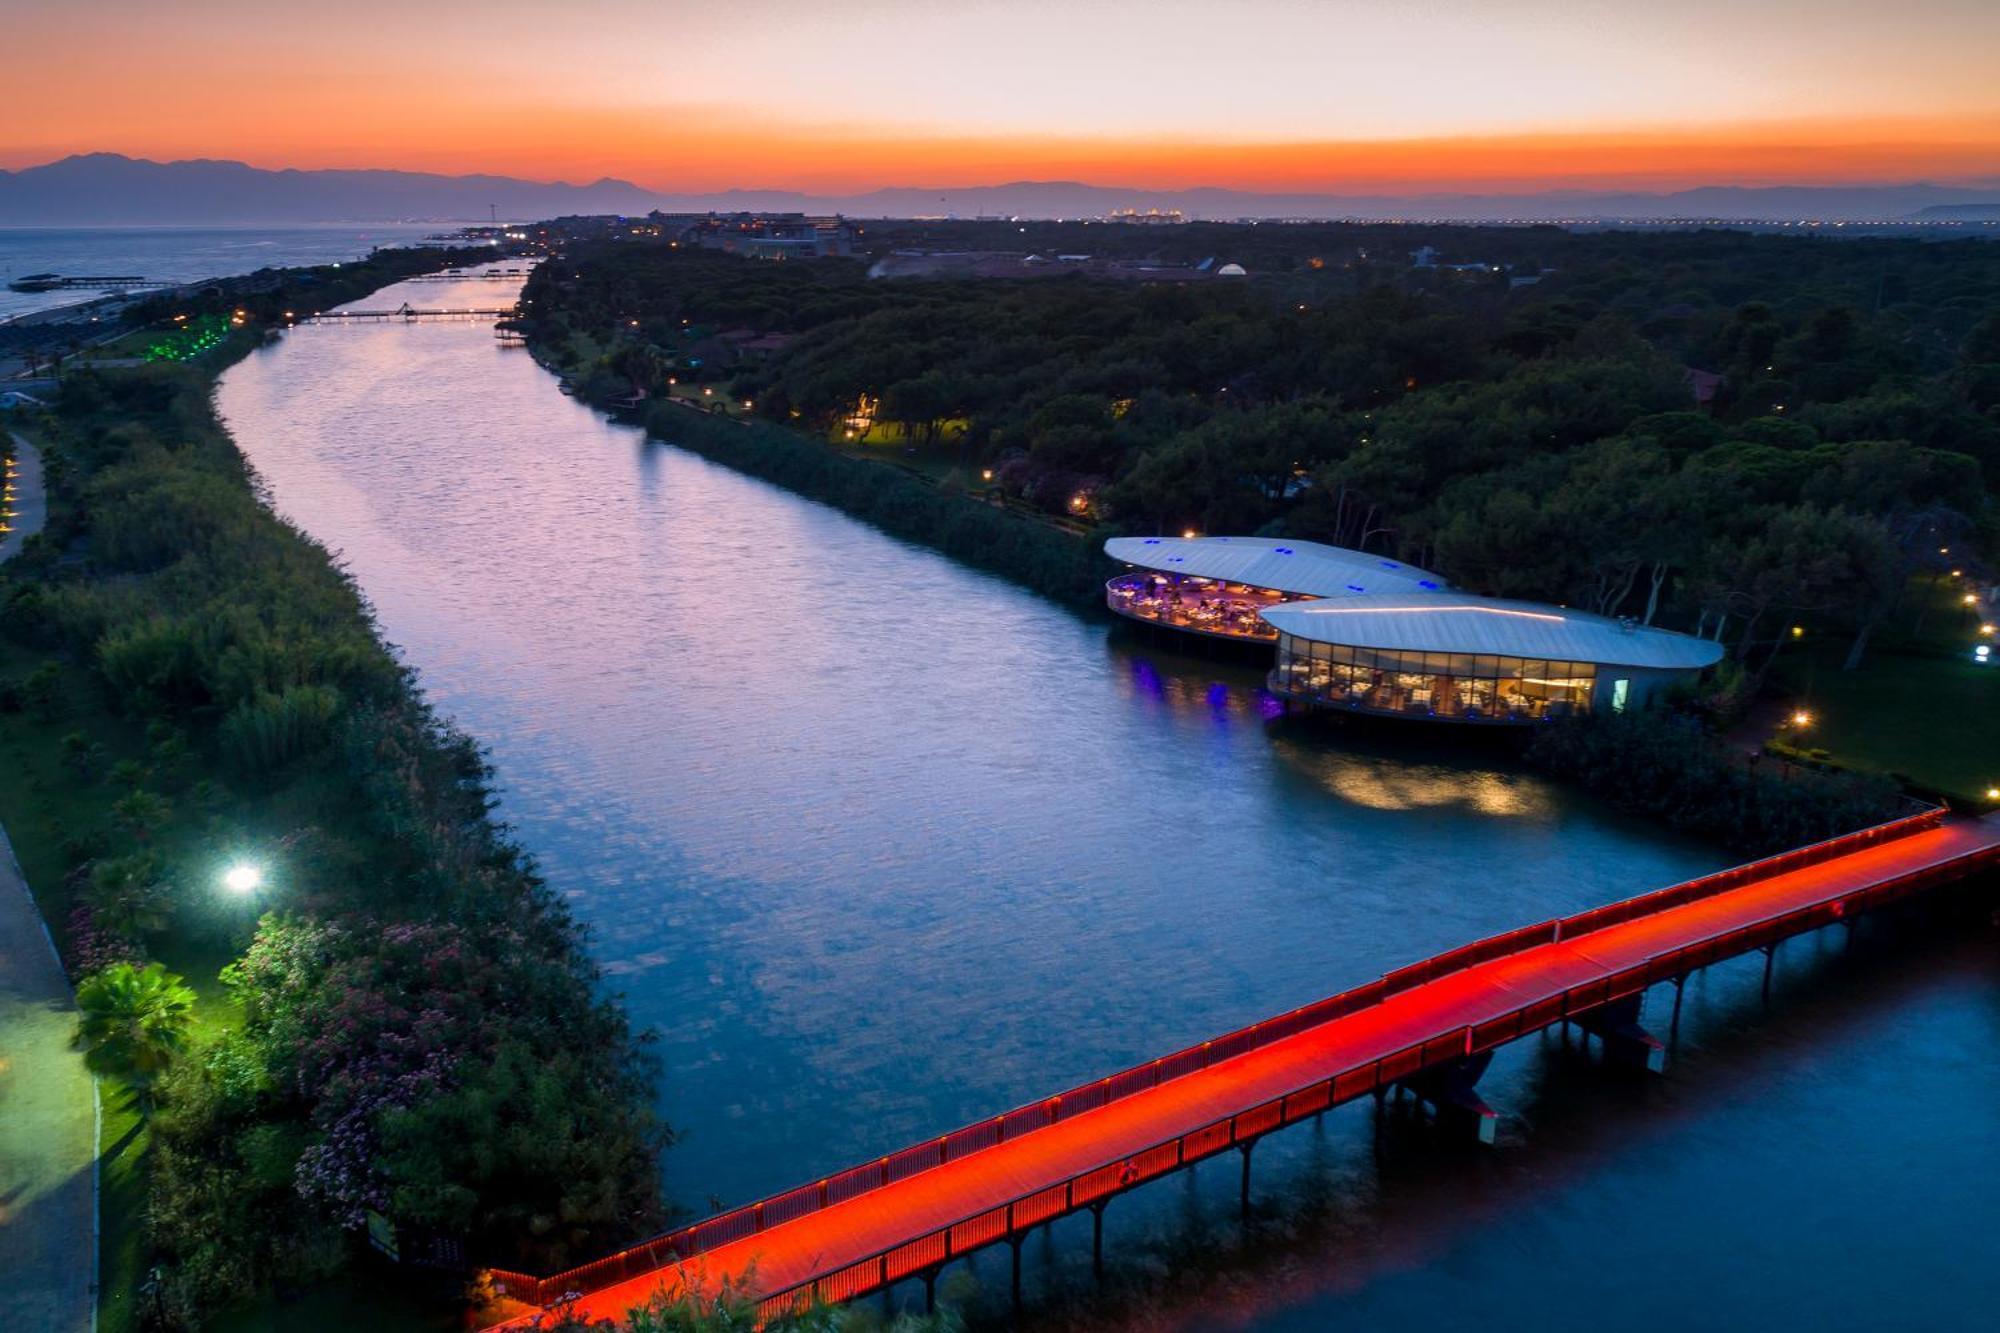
(1459,623)
(1307,568)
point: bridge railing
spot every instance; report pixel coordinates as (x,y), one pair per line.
(1629,909)
(912,1257)
(685,1243)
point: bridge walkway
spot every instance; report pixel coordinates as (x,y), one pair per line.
(914,1224)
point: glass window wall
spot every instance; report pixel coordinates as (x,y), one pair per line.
(1467,686)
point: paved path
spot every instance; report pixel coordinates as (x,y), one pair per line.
(48,1108)
(48,1129)
(1472,995)
(30,503)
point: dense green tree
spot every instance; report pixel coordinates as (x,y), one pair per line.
(133,1023)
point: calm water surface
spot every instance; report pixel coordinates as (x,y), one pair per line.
(879,845)
(179,254)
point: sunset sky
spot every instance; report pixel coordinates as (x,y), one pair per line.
(1326,96)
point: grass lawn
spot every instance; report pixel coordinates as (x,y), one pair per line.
(1934,720)
(1919,705)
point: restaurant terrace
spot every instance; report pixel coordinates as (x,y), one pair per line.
(1220,586)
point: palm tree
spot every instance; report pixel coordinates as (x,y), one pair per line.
(135,1021)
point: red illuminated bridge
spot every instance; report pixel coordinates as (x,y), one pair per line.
(1429,1028)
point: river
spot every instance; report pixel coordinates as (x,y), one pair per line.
(879,845)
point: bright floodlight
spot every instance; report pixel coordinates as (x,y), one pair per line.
(242,878)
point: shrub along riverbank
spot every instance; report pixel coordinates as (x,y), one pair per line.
(400,1025)
(1667,767)
(1043,558)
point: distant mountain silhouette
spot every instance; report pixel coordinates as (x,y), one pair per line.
(107,188)
(1045,199)
(110,188)
(1960,213)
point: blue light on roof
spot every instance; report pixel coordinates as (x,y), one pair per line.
(1152,541)
(1427,583)
(1388,564)
(1355,587)
(1284,550)
(1175,559)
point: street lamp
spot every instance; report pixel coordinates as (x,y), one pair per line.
(243,878)
(1802,718)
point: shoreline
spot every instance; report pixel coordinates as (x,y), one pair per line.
(401,714)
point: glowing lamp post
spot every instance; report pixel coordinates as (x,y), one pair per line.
(243,879)
(1801,719)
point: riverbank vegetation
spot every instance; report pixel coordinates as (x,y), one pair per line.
(392,1028)
(1668,768)
(1755,438)
(984,535)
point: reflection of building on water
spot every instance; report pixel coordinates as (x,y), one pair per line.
(1378,782)
(1366,634)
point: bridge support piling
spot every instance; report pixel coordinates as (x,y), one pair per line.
(1097,1239)
(930,1290)
(1770,957)
(1014,1243)
(1245,1148)
(1674,1025)
(1450,1089)
(1625,1042)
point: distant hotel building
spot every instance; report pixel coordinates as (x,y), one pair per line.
(1366,634)
(760,235)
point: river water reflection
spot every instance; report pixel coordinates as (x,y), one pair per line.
(876,843)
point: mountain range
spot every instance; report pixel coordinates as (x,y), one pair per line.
(109,188)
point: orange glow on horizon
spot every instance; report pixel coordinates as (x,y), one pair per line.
(713,150)
(1368,96)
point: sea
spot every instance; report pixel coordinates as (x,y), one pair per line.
(181,254)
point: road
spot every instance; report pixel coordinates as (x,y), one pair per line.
(30,500)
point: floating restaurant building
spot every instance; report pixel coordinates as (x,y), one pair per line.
(1473,659)
(1220,586)
(1366,634)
